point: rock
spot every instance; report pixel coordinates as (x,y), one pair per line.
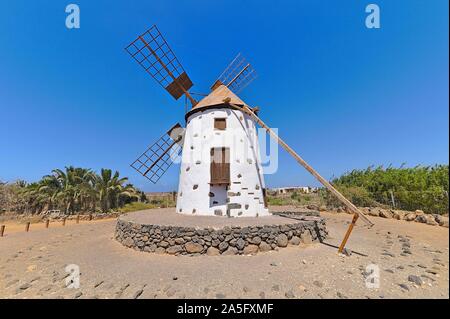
(213,251)
(230,251)
(193,248)
(174,249)
(302,288)
(410,217)
(275,288)
(432,222)
(263,247)
(163,244)
(223,246)
(262,295)
(398,215)
(404,286)
(179,241)
(426,219)
(385,213)
(419,212)
(220,296)
(415,279)
(24,286)
(407,251)
(441,220)
(251,249)
(294,241)
(171,292)
(318,284)
(422,266)
(160,250)
(323,208)
(256,240)
(289,294)
(240,244)
(306,237)
(137,294)
(282,240)
(374,212)
(129,242)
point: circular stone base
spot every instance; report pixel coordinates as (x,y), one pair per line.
(164,231)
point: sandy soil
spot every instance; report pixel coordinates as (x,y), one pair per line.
(32,265)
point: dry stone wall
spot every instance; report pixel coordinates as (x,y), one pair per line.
(175,240)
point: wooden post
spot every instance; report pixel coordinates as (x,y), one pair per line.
(27,227)
(392,198)
(90,217)
(64,222)
(78,218)
(47,223)
(347,234)
(2,230)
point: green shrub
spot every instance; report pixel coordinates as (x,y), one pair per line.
(420,187)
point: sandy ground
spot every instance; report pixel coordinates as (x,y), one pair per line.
(32,265)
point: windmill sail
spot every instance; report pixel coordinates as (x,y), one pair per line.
(158,158)
(237,75)
(153,53)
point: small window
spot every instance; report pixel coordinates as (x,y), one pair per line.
(220,124)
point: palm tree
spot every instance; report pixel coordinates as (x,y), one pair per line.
(110,188)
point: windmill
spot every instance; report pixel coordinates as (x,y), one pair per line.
(220,173)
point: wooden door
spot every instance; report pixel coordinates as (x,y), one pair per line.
(220,166)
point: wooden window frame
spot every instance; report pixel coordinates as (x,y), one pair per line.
(218,121)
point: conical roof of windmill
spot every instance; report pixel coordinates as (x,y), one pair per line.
(216,98)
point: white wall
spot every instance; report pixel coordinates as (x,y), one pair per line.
(247,179)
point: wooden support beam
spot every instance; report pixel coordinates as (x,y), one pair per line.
(347,234)
(302,162)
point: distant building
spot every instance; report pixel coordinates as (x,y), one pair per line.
(293,189)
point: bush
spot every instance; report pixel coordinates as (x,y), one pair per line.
(419,187)
(357,195)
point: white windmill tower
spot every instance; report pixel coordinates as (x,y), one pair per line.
(220,168)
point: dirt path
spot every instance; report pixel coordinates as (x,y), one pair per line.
(32,265)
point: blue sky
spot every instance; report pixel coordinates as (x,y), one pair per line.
(342,95)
